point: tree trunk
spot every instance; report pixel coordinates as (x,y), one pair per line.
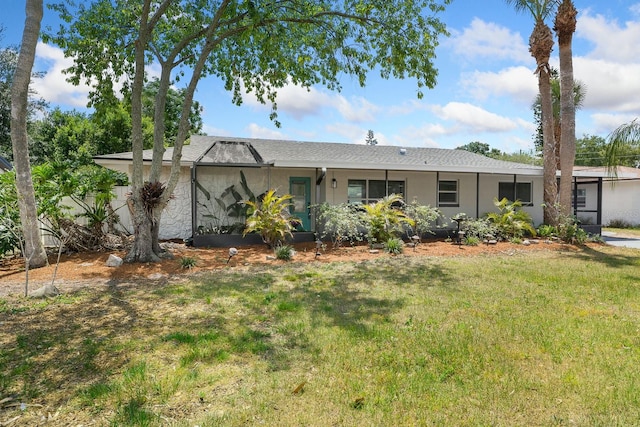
(565,26)
(540,45)
(35,254)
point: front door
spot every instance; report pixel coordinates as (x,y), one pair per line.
(300,189)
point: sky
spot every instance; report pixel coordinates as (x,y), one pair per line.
(484,93)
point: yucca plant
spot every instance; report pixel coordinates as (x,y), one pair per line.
(270,218)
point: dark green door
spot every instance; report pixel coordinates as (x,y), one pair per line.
(300,189)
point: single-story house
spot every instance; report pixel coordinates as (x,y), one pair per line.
(600,198)
(455,181)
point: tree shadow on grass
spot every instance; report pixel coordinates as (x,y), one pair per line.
(610,256)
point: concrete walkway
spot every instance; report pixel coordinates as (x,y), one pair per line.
(613,239)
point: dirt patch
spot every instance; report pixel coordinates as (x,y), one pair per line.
(89,269)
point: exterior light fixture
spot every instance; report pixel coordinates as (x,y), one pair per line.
(334,183)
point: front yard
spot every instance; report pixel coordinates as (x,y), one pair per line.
(504,338)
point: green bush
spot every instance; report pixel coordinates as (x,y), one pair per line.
(471,241)
(423,217)
(188,262)
(342,222)
(270,218)
(394,246)
(383,220)
(284,252)
(547,231)
(480,228)
(511,221)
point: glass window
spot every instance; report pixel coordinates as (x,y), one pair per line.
(521,191)
(370,191)
(582,198)
(448,193)
(357,190)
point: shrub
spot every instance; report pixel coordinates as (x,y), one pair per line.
(619,223)
(284,252)
(547,231)
(394,246)
(270,217)
(383,220)
(342,222)
(471,241)
(511,221)
(480,228)
(423,217)
(188,262)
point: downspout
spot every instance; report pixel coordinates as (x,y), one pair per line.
(575,197)
(194,201)
(386,183)
(477,194)
(599,214)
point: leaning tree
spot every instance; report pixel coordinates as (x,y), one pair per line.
(253,47)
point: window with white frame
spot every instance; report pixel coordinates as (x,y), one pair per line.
(448,193)
(516,191)
(363,191)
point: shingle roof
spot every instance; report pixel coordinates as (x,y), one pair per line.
(228,150)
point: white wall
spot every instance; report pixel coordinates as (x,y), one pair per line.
(620,201)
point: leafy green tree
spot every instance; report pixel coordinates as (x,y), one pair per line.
(370,139)
(34,253)
(480,148)
(8,63)
(540,46)
(256,47)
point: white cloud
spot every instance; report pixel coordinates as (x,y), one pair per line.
(516,82)
(487,40)
(609,85)
(605,123)
(300,103)
(214,131)
(611,41)
(53,86)
(256,131)
(422,136)
(474,118)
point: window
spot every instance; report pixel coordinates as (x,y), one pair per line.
(582,198)
(448,193)
(362,191)
(521,191)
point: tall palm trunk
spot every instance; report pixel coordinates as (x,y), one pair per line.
(540,46)
(565,26)
(33,247)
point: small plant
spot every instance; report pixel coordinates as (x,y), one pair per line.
(423,217)
(471,241)
(511,221)
(619,223)
(284,252)
(547,231)
(188,262)
(383,220)
(516,240)
(271,218)
(394,246)
(480,228)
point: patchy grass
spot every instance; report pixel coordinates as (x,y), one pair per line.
(632,232)
(545,338)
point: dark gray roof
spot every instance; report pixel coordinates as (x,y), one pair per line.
(248,151)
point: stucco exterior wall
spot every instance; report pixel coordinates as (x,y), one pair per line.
(620,201)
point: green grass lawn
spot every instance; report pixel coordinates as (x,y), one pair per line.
(542,338)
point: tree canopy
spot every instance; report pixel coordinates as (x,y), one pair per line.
(253,47)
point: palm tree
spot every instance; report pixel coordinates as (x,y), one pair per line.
(565,26)
(622,137)
(579,92)
(540,46)
(34,252)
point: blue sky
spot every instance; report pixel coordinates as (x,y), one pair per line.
(484,93)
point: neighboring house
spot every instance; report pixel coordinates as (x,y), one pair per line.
(5,165)
(455,181)
(600,198)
